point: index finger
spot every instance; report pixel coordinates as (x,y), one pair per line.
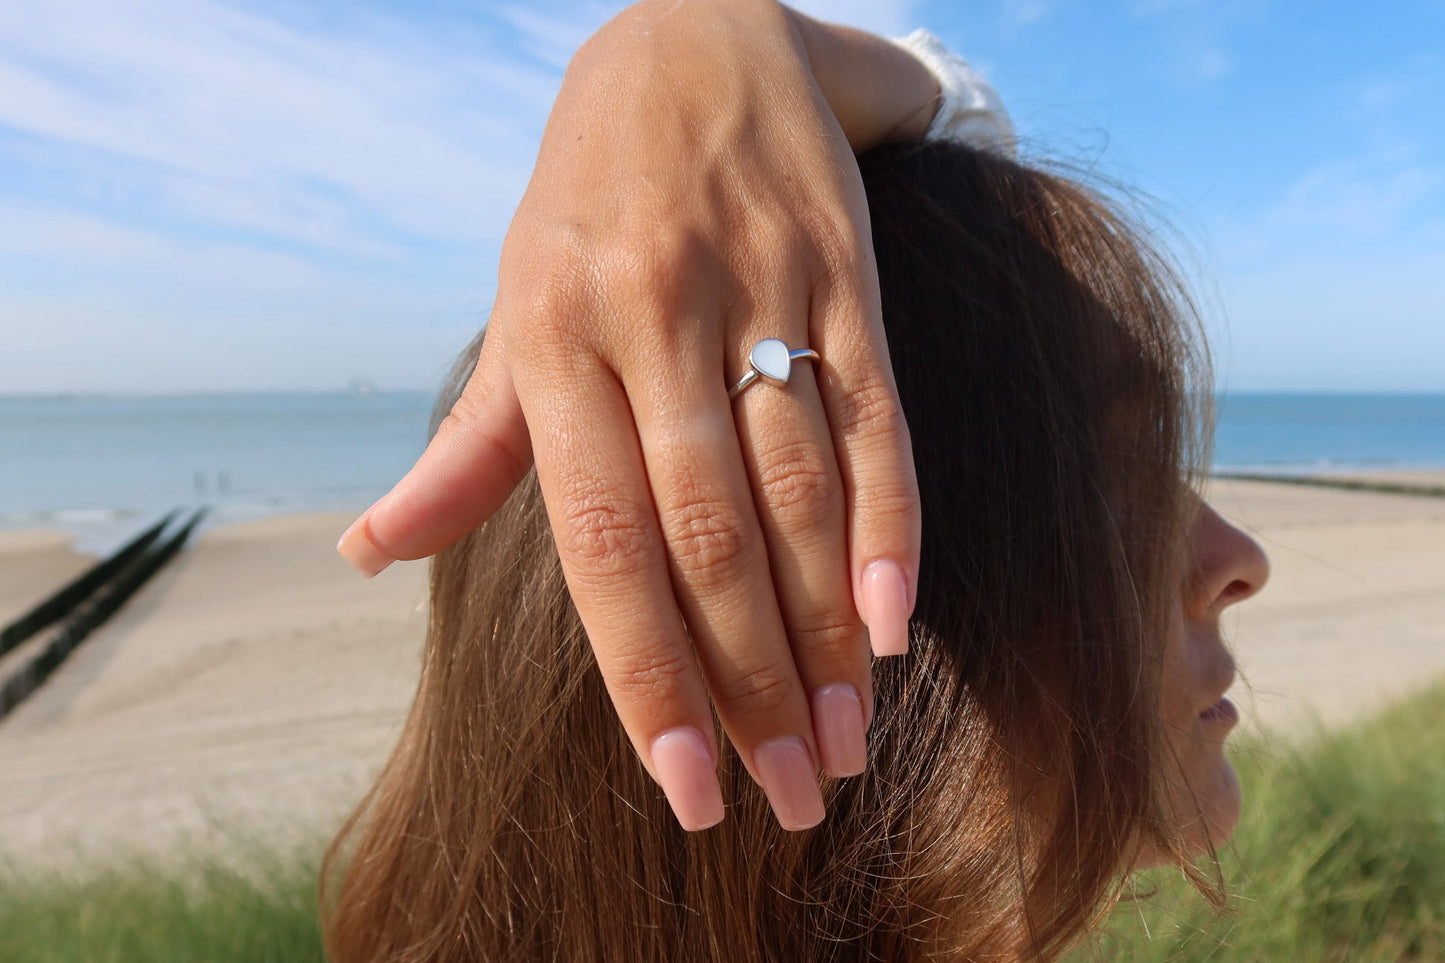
(479,453)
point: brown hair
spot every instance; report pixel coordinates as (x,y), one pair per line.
(1045,357)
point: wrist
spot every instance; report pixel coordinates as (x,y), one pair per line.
(877,90)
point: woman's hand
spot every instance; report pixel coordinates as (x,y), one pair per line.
(694,194)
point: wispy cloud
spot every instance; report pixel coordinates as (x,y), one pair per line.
(182,175)
(553,35)
(1211,63)
(208,102)
(1022,13)
(191,173)
(1364,197)
(1150,8)
(1194,35)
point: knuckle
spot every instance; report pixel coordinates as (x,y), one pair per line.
(798,484)
(828,632)
(601,531)
(870,410)
(555,303)
(840,249)
(705,535)
(765,689)
(891,505)
(654,268)
(643,676)
(461,416)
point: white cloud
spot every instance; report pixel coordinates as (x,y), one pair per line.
(270,116)
(179,175)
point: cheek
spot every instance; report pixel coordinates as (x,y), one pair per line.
(1205,813)
(1175,682)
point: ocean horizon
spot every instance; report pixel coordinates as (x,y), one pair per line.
(100,465)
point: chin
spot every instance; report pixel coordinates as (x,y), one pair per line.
(1208,814)
(1222,807)
(1214,809)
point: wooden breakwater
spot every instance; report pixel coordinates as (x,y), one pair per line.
(67,597)
(103,598)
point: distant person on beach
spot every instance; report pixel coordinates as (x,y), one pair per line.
(708,505)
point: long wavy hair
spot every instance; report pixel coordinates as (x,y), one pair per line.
(1052,376)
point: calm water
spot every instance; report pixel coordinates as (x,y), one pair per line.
(1330,433)
(101,466)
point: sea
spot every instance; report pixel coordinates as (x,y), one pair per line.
(104,466)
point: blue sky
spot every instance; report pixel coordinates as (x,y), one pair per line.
(212,195)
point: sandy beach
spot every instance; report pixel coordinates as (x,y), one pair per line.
(254,686)
(249,690)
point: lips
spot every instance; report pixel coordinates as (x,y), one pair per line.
(1221,711)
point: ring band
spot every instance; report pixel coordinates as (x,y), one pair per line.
(772,361)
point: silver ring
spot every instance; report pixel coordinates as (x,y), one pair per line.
(772,361)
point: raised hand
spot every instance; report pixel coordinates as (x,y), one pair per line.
(695,194)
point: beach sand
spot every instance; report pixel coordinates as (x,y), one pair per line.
(253,688)
(248,691)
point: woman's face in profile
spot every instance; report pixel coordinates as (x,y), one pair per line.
(1226,566)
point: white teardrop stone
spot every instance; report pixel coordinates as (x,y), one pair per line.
(770,358)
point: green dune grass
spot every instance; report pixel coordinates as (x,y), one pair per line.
(256,906)
(1340,856)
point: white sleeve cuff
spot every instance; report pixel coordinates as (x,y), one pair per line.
(970,111)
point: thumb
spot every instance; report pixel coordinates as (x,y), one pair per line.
(479,453)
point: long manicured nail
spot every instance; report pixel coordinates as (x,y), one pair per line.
(838,727)
(360,552)
(790,778)
(688,774)
(885,607)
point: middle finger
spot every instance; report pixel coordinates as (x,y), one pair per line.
(799,495)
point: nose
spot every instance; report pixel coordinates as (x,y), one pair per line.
(1229,566)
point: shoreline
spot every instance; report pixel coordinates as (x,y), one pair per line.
(1421,482)
(97,531)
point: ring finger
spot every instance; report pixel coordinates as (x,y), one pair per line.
(799,494)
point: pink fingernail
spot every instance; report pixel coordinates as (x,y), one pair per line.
(790,779)
(688,774)
(360,552)
(838,727)
(885,607)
